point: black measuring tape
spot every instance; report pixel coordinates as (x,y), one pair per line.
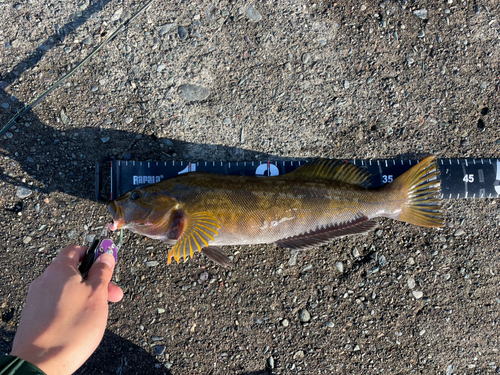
(461,178)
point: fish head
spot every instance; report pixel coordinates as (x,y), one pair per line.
(141,209)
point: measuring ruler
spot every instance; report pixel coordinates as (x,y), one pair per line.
(460,178)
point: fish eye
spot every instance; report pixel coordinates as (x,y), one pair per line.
(135,195)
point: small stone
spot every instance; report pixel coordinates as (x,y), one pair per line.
(203,276)
(257,321)
(64,117)
(411,283)
(160,68)
(90,238)
(72,234)
(464,142)
(167,365)
(357,348)
(355,253)
(253,14)
(111,109)
(293,257)
(421,34)
(382,261)
(9,135)
(94,88)
(379,232)
(117,15)
(127,156)
(128,120)
(459,232)
(363,7)
(270,362)
(346,84)
(226,121)
(421,13)
(299,355)
(417,294)
(450,369)
(159,349)
(306,57)
(339,266)
(182,32)
(304,316)
(193,93)
(156,338)
(105,139)
(306,268)
(27,240)
(152,263)
(285,323)
(411,261)
(23,192)
(329,324)
(161,310)
(67,49)
(5,105)
(168,142)
(87,41)
(162,30)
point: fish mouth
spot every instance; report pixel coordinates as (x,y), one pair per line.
(118,218)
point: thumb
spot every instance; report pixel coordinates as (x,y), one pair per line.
(102,271)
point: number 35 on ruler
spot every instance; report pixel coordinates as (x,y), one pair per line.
(468,178)
(387,178)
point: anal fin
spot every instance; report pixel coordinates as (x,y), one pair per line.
(216,254)
(321,236)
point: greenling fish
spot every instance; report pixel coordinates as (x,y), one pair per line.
(308,207)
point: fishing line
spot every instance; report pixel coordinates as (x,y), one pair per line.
(110,37)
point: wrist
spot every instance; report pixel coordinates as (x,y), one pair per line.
(14,364)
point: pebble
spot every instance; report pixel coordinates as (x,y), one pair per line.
(87,41)
(5,105)
(9,135)
(90,237)
(306,268)
(162,30)
(27,240)
(23,192)
(67,49)
(304,316)
(355,253)
(117,15)
(411,283)
(293,257)
(94,88)
(182,32)
(156,338)
(450,370)
(270,362)
(193,93)
(459,232)
(285,323)
(346,84)
(299,355)
(161,310)
(203,276)
(329,324)
(379,232)
(253,14)
(111,109)
(411,261)
(128,120)
(226,121)
(105,139)
(339,266)
(382,261)
(168,142)
(152,263)
(72,234)
(160,68)
(159,349)
(417,294)
(306,57)
(421,34)
(421,13)
(257,321)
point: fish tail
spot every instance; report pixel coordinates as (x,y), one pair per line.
(421,190)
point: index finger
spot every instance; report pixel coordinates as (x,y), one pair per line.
(72,255)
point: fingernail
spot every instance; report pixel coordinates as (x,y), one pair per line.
(106,259)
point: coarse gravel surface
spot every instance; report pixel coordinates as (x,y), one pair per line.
(238,80)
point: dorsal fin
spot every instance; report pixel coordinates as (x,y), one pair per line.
(334,170)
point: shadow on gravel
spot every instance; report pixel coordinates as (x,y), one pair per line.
(64,161)
(114,352)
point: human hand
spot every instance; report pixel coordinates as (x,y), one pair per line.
(65,316)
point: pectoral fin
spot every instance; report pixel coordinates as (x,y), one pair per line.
(217,255)
(360,225)
(199,230)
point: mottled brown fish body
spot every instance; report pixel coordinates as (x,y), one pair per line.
(308,207)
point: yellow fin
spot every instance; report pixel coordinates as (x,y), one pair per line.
(200,228)
(334,170)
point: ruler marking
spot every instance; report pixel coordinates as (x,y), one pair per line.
(409,161)
(386,164)
(480,174)
(482,161)
(467,164)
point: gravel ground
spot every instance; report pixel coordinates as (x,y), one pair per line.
(241,81)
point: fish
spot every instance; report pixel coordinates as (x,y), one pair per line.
(319,201)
